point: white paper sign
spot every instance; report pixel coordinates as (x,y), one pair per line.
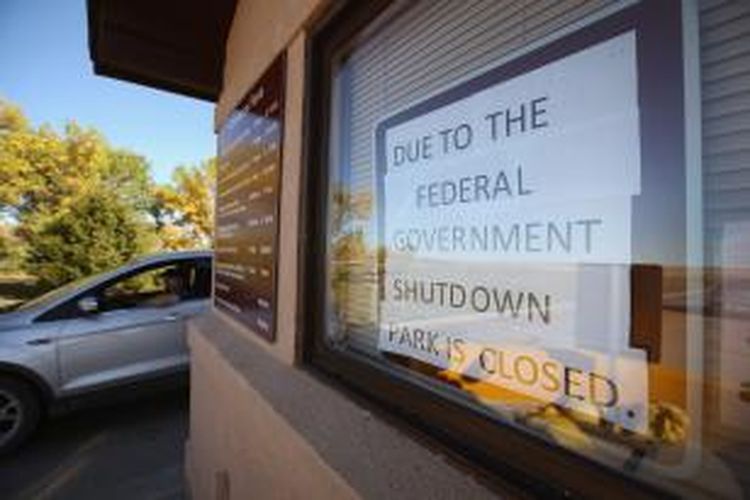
(553,154)
(507,227)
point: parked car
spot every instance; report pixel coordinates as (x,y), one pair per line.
(105,331)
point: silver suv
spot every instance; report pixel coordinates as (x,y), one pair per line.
(116,328)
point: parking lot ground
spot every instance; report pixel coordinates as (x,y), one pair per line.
(119,451)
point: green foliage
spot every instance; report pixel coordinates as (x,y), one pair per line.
(128,175)
(41,170)
(11,118)
(73,205)
(11,250)
(184,211)
(96,232)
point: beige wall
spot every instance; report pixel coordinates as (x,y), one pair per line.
(260,30)
(276,431)
(235,432)
(285,346)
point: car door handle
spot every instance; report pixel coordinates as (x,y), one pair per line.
(171,317)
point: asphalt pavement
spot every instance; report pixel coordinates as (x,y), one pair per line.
(131,450)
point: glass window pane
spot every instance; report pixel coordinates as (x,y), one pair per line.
(537,237)
(157,287)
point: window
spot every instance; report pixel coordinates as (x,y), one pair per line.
(159,285)
(528,249)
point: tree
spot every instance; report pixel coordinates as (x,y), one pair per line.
(184,211)
(41,170)
(128,174)
(11,118)
(47,179)
(10,249)
(75,205)
(96,232)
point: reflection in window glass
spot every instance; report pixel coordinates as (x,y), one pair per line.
(536,239)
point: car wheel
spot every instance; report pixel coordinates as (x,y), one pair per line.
(20,412)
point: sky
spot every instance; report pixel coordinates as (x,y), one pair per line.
(45,69)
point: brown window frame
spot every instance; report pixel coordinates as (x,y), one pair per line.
(501,456)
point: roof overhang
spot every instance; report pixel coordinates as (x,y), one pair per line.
(173,45)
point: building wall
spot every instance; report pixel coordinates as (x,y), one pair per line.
(274,431)
(285,346)
(260,30)
(238,438)
(260,418)
(257,417)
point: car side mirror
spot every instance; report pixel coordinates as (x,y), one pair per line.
(89,305)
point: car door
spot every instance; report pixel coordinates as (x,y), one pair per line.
(137,331)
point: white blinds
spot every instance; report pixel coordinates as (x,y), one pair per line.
(725,74)
(420,49)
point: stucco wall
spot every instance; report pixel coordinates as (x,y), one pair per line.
(260,30)
(286,338)
(235,432)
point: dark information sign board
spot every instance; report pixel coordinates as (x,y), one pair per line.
(247,205)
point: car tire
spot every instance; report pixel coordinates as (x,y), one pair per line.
(20,412)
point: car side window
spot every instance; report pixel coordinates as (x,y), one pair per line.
(161,286)
(154,286)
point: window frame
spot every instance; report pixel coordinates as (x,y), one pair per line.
(447,426)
